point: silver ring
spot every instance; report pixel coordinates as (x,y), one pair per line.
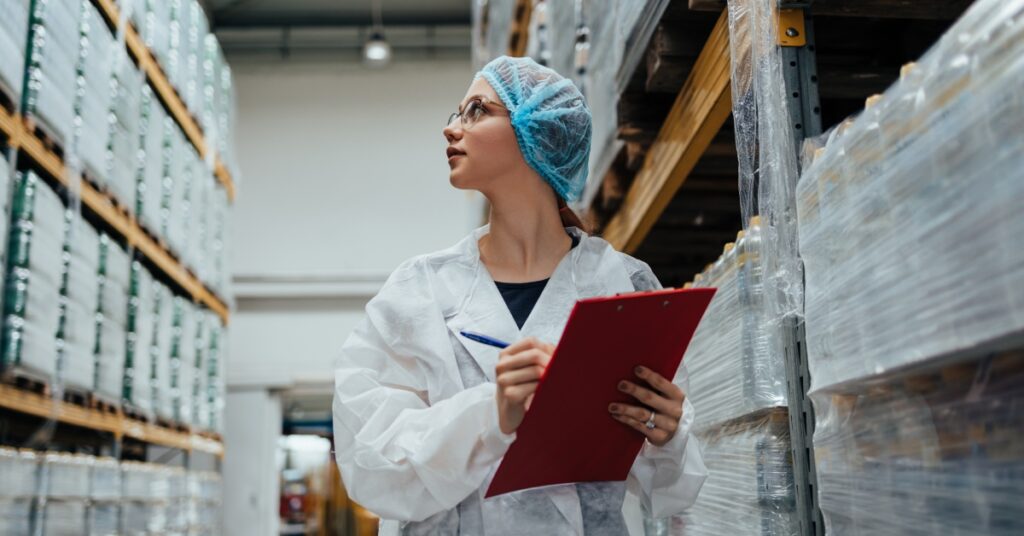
(650,422)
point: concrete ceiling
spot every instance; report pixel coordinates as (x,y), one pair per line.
(311,13)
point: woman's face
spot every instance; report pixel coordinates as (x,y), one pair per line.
(481,157)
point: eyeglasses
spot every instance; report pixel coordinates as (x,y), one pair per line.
(475,109)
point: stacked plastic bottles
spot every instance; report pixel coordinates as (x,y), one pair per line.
(92,104)
(909,227)
(105,498)
(79,303)
(13,38)
(51,76)
(738,389)
(114,282)
(749,489)
(19,472)
(5,209)
(64,492)
(204,500)
(33,277)
(145,496)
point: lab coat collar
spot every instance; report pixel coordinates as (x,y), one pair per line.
(592,268)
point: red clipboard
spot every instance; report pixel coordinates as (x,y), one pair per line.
(568,435)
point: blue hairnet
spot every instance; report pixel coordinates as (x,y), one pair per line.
(550,118)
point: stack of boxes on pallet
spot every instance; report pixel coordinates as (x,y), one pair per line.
(738,389)
(55,493)
(910,230)
(13,40)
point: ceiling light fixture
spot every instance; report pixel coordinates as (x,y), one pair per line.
(377,51)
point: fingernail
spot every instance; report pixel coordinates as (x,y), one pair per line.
(623,386)
(613,408)
(639,371)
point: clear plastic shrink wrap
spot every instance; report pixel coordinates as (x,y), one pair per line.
(50,85)
(150,173)
(33,281)
(112,332)
(123,147)
(14,16)
(767,153)
(93,100)
(937,452)
(908,216)
(138,366)
(163,316)
(79,303)
(19,469)
(749,489)
(736,365)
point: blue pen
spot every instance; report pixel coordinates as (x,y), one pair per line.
(483,339)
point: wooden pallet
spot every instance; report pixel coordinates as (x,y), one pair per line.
(77,396)
(104,405)
(132,412)
(42,132)
(26,380)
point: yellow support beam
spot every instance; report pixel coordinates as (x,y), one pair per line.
(39,405)
(158,80)
(699,111)
(102,205)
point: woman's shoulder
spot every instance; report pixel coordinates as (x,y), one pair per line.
(640,272)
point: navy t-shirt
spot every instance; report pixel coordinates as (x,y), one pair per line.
(521,297)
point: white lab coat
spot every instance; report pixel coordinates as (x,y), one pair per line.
(415,436)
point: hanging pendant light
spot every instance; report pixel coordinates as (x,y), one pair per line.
(377,51)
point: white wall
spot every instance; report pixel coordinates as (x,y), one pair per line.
(252,428)
(344,178)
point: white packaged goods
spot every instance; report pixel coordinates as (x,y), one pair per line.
(80,297)
(749,489)
(92,105)
(123,148)
(163,303)
(51,77)
(5,209)
(111,324)
(912,199)
(13,37)
(182,359)
(66,476)
(16,516)
(736,365)
(201,380)
(34,276)
(105,482)
(63,517)
(18,470)
(104,519)
(150,179)
(138,373)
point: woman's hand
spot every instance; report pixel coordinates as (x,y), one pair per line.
(665,399)
(520,367)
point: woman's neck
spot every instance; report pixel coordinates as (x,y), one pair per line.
(525,242)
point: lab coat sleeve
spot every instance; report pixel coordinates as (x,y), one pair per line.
(401,456)
(667,479)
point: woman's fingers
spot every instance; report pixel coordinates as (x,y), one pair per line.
(523,344)
(657,381)
(522,375)
(641,415)
(517,394)
(526,358)
(656,436)
(665,406)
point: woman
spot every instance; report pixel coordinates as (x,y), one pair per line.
(423,416)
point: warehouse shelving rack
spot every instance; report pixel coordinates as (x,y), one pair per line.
(667,183)
(21,141)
